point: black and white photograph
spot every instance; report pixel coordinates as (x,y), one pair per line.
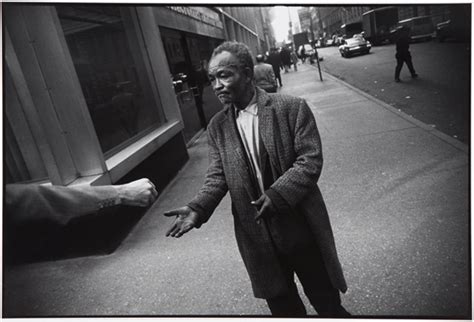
(236,160)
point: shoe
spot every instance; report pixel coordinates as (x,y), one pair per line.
(397,80)
(414,76)
(341,312)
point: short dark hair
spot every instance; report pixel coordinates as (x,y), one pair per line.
(259,58)
(240,50)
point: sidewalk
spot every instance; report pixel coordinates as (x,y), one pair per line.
(397,192)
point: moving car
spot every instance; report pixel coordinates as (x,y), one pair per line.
(354,45)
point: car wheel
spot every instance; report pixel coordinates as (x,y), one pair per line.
(342,54)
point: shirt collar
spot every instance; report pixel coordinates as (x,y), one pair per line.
(251,108)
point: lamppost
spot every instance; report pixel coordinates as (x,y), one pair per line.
(314,44)
(290,24)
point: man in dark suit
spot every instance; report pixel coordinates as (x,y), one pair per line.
(403,53)
(275,60)
(265,150)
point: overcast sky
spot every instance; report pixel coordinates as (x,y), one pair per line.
(280,21)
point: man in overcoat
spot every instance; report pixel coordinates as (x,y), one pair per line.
(264,76)
(403,55)
(265,150)
(275,60)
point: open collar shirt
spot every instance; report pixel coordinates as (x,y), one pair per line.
(247,124)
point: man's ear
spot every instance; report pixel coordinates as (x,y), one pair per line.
(249,73)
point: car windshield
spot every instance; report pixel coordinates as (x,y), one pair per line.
(354,41)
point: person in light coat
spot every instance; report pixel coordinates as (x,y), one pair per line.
(264,75)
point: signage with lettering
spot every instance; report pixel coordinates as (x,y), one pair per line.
(198,15)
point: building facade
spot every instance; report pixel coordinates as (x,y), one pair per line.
(101,94)
(250,25)
(327,20)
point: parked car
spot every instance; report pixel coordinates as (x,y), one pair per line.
(330,42)
(457,25)
(308,50)
(339,40)
(354,45)
(453,31)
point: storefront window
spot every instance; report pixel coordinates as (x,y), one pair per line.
(187,56)
(22,160)
(112,73)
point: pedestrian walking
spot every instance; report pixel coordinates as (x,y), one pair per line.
(274,60)
(266,151)
(294,60)
(302,54)
(264,75)
(285,58)
(403,54)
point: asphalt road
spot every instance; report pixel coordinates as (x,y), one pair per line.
(440,97)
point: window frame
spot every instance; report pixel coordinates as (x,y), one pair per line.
(79,159)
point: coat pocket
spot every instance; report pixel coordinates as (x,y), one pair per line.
(290,232)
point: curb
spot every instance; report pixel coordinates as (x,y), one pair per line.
(444,137)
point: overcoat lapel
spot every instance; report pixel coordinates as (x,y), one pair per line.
(265,130)
(241,161)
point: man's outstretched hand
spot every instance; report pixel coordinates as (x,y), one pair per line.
(186,219)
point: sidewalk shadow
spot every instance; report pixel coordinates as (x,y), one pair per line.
(97,234)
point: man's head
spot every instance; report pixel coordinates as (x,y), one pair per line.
(259,58)
(404,30)
(231,73)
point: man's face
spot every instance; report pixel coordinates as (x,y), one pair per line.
(229,82)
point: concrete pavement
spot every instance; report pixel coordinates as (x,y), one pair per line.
(397,192)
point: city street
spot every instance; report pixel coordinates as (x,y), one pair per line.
(397,193)
(440,97)
(107,111)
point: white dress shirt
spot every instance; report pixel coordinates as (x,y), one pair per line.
(247,124)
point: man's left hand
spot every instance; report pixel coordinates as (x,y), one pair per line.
(264,207)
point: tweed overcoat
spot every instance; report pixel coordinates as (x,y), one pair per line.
(290,138)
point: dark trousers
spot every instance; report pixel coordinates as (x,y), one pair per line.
(309,267)
(276,71)
(404,58)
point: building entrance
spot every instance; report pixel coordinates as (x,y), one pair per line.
(188,56)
